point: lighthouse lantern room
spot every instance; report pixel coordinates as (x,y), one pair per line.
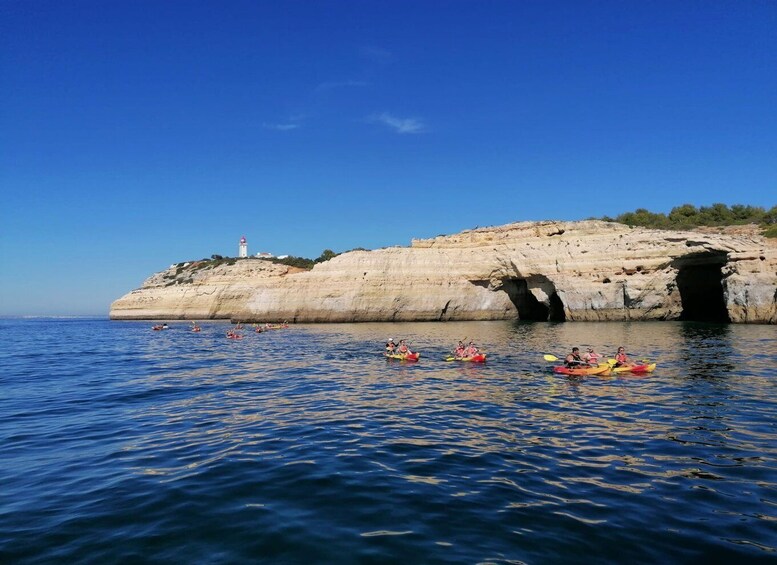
(243,249)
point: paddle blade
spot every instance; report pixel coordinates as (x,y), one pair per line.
(550,357)
(611,362)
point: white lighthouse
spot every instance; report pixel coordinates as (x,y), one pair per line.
(243,249)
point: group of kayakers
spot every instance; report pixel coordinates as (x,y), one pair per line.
(591,358)
(401,348)
(258,328)
(461,351)
(232,332)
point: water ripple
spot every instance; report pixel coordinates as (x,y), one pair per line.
(306,445)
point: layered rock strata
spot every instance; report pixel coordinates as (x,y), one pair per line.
(588,270)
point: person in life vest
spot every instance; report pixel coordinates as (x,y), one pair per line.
(591,357)
(472,349)
(403,349)
(621,359)
(574,359)
(390,346)
(461,350)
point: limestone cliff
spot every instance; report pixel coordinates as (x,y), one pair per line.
(589,270)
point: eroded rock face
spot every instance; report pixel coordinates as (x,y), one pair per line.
(587,270)
(198,290)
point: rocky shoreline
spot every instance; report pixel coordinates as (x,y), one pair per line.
(559,271)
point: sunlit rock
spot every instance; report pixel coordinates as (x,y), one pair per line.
(588,270)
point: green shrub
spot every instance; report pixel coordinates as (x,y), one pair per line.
(292,261)
(771,231)
(688,216)
(326,255)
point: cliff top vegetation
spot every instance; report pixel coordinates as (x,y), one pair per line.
(689,216)
(189,267)
(684,217)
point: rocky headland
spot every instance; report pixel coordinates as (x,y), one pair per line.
(589,270)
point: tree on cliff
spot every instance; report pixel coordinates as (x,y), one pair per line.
(326,255)
(689,216)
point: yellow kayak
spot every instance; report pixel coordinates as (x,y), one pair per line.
(479,358)
(601,369)
(405,357)
(646,368)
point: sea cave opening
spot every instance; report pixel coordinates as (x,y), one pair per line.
(700,283)
(531,309)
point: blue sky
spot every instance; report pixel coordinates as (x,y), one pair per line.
(138,134)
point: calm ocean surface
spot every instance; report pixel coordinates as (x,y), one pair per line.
(304,445)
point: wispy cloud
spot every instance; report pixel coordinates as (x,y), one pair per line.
(294,122)
(281,127)
(377,54)
(331,85)
(399,125)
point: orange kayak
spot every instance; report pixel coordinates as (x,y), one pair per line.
(584,370)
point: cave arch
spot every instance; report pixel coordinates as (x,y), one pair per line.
(700,283)
(531,309)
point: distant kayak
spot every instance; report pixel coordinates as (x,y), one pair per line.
(645,368)
(157,328)
(479,358)
(579,371)
(405,357)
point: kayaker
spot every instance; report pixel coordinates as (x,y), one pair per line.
(472,350)
(461,350)
(621,359)
(574,359)
(390,346)
(591,357)
(403,349)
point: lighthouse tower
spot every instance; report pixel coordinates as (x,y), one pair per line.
(243,249)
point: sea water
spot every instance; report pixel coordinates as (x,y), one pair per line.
(305,445)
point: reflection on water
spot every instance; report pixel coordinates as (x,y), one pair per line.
(308,445)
